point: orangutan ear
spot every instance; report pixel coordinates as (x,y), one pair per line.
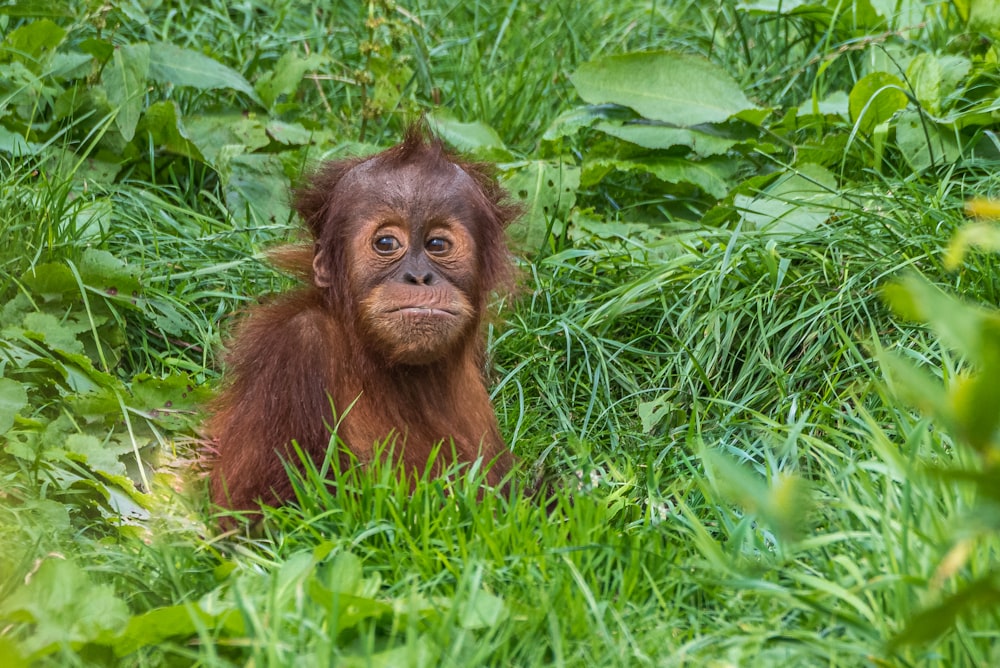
(321,272)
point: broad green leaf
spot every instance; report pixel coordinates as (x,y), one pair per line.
(257,189)
(22,86)
(780,6)
(101,270)
(58,335)
(51,280)
(98,48)
(881,14)
(711,175)
(570,122)
(874,99)
(29,43)
(701,142)
(348,597)
(322,550)
(100,405)
(37,8)
(168,318)
(49,513)
(755,116)
(80,374)
(651,413)
(127,494)
(178,66)
(423,651)
(290,134)
(586,224)
(935,78)
(798,201)
(175,621)
(64,606)
(124,80)
(13,397)
(981,15)
(100,167)
(548,192)
(349,610)
(913,132)
(344,574)
(286,583)
(285,76)
(98,456)
(924,75)
(172,401)
(474,138)
(13,311)
(15,144)
(94,218)
(176,391)
(671,87)
(212,133)
(134,12)
(67,66)
(836,103)
(163,123)
(482,611)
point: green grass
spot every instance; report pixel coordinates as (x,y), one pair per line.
(735,483)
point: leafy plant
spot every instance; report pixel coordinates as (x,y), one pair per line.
(62,339)
(968,407)
(670,136)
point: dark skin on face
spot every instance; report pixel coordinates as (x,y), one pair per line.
(408,246)
(413,257)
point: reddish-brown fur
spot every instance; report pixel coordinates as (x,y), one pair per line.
(393,342)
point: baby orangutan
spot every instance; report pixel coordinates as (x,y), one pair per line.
(408,245)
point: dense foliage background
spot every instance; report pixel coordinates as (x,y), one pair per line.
(743,345)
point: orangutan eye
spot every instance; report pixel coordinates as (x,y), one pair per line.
(438,246)
(386,245)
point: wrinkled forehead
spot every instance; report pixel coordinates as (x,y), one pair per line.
(419,189)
